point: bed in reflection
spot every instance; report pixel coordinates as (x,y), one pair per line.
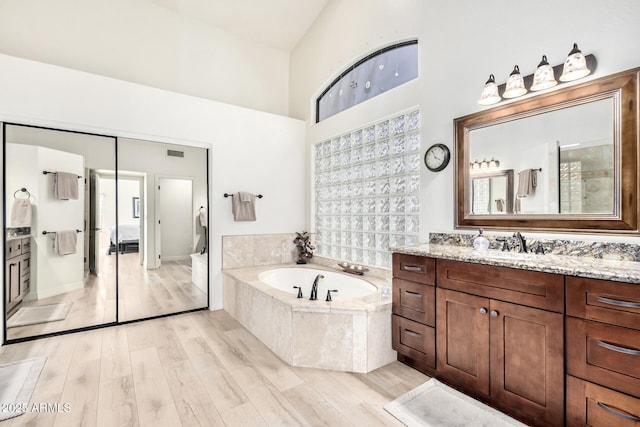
(127,239)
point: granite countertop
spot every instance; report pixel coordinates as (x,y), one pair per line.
(595,268)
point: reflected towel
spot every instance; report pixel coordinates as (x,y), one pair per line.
(202,216)
(21,213)
(527,182)
(244,210)
(66,186)
(500,205)
(65,242)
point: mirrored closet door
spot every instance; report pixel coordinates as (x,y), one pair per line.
(96,238)
(162,223)
(57,278)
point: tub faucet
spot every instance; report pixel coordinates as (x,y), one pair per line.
(314,287)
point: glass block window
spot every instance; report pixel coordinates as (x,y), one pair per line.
(377,73)
(367,185)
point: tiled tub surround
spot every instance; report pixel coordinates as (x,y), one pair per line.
(258,249)
(583,266)
(352,336)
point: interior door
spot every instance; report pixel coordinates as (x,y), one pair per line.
(175,219)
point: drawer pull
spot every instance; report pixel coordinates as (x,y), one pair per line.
(414,268)
(618,413)
(494,313)
(483,310)
(618,349)
(411,333)
(618,303)
(412,294)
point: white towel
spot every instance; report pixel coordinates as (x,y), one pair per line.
(66,186)
(65,242)
(21,213)
(527,182)
(202,215)
(244,210)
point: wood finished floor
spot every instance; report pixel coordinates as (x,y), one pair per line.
(197,369)
(143,293)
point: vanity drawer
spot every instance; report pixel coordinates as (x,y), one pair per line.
(26,246)
(13,248)
(414,301)
(605,301)
(592,405)
(530,288)
(414,340)
(605,354)
(414,268)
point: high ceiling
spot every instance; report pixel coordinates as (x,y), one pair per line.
(276,23)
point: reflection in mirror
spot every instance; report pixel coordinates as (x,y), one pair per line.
(56,277)
(557,157)
(162,205)
(492,192)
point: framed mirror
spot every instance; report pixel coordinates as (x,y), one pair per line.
(572,154)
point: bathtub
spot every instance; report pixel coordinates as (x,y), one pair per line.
(349,287)
(350,333)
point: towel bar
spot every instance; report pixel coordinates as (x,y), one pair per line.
(54,232)
(47,172)
(259,196)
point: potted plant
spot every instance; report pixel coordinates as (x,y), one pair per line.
(304,247)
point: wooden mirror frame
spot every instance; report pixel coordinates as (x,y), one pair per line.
(622,88)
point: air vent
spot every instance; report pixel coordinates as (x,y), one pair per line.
(175,153)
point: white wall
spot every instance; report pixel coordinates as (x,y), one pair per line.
(51,274)
(250,150)
(145,43)
(461,43)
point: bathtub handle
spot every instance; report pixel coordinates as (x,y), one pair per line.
(329,294)
(299,288)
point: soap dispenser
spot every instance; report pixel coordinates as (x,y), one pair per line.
(481,243)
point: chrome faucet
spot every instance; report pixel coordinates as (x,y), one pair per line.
(314,287)
(520,241)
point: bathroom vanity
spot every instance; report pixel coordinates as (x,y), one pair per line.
(528,334)
(18,272)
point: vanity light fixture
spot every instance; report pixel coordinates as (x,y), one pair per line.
(494,164)
(575,66)
(515,84)
(490,93)
(543,78)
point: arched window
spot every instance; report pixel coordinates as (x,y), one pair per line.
(377,73)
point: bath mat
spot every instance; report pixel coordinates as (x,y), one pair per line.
(18,380)
(39,314)
(436,404)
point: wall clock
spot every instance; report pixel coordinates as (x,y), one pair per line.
(437,157)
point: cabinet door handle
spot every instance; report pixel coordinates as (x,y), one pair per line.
(412,294)
(414,268)
(618,302)
(411,333)
(624,350)
(617,413)
(483,310)
(494,313)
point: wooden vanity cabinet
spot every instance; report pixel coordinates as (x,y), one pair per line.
(413,307)
(17,271)
(508,355)
(603,353)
